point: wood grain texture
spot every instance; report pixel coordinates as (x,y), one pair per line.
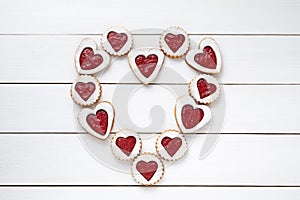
(247,59)
(78,193)
(236,160)
(249,109)
(196,16)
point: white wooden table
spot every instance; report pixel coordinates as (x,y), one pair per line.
(257,156)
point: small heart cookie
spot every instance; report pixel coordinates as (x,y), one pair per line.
(117,41)
(171,145)
(89,59)
(207,58)
(146,63)
(147,169)
(190,117)
(86,90)
(99,121)
(126,144)
(174,42)
(204,89)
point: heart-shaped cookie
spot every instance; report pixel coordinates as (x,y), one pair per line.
(190,117)
(204,88)
(207,58)
(117,41)
(174,42)
(89,59)
(171,145)
(126,144)
(147,169)
(146,63)
(85,90)
(98,121)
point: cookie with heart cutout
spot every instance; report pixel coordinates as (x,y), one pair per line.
(146,63)
(190,117)
(86,90)
(207,58)
(98,121)
(89,59)
(147,169)
(117,41)
(174,42)
(126,144)
(171,145)
(204,89)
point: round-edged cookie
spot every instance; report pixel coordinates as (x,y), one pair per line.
(126,144)
(174,42)
(190,117)
(207,58)
(146,63)
(147,169)
(98,121)
(86,90)
(117,41)
(171,145)
(89,59)
(204,89)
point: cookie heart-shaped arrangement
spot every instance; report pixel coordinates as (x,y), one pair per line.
(98,121)
(191,113)
(207,58)
(89,59)
(190,117)
(146,63)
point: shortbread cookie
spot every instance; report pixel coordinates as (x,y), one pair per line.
(126,144)
(117,41)
(174,42)
(204,89)
(98,121)
(207,58)
(89,59)
(86,90)
(147,169)
(146,63)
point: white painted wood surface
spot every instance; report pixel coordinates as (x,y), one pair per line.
(260,44)
(212,193)
(233,16)
(248,108)
(51,159)
(247,59)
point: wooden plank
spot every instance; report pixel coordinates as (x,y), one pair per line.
(247,59)
(257,160)
(248,109)
(196,16)
(78,193)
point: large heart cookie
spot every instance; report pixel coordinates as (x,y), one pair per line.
(146,63)
(126,144)
(89,59)
(174,42)
(204,88)
(85,90)
(147,169)
(207,58)
(99,121)
(190,117)
(117,41)
(171,145)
